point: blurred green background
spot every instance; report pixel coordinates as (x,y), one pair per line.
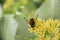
(12,13)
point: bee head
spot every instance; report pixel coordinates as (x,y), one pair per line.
(32,19)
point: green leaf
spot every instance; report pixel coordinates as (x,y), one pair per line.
(51,35)
(46,33)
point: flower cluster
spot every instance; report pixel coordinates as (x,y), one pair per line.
(47,29)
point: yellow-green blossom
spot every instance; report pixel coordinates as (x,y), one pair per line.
(47,30)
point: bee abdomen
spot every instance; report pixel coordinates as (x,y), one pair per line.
(32,24)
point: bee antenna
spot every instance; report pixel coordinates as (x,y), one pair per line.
(37,16)
(25,19)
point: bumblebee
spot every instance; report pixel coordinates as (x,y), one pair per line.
(31,22)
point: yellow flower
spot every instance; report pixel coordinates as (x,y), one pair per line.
(56,37)
(47,38)
(49,25)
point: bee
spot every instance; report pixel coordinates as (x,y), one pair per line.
(31,22)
